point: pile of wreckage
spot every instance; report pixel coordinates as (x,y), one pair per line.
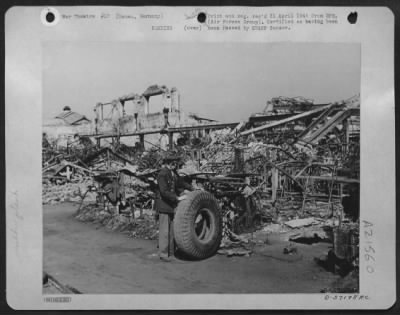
(294,167)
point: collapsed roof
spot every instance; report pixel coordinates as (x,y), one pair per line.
(72,118)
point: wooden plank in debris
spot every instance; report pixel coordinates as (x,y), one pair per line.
(300,222)
(274,182)
(203,126)
(319,119)
(170,129)
(313,137)
(338,179)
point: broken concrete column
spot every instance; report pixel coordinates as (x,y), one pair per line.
(116,111)
(175,98)
(98,111)
(139,105)
(165,113)
(136,121)
(146,105)
(164,142)
(170,141)
(166,101)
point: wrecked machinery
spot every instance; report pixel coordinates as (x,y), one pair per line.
(220,205)
(297,161)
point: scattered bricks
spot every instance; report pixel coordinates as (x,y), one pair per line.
(72,192)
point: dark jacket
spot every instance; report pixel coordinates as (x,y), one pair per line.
(169,187)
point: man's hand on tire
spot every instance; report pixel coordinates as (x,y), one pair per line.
(183,197)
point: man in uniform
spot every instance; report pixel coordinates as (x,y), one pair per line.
(169,188)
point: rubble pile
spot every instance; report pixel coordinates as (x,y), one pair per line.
(137,224)
(288,104)
(218,159)
(94,213)
(189,167)
(235,248)
(68,192)
(150,159)
(292,170)
(145,227)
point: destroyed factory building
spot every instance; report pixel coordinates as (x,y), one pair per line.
(291,169)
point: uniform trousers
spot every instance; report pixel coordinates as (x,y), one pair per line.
(166,243)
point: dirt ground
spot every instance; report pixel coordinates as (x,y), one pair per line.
(91,259)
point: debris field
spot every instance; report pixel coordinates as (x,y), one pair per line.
(291,171)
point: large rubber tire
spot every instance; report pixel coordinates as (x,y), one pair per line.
(198,225)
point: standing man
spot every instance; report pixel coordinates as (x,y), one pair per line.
(166,201)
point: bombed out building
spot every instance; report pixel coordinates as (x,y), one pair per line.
(292,169)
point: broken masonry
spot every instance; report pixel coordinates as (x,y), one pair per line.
(295,164)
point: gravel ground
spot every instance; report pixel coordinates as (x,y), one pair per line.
(91,259)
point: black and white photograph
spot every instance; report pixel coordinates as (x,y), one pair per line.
(192,158)
(182,168)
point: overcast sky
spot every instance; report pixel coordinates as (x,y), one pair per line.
(227,82)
